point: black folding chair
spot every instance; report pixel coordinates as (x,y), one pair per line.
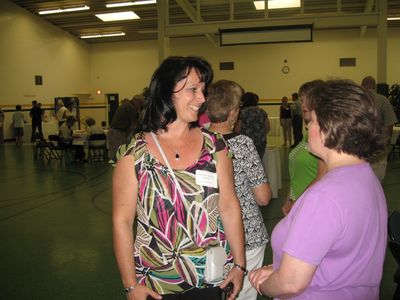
(40,147)
(42,150)
(55,148)
(97,148)
(394,247)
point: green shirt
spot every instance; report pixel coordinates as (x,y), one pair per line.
(303,168)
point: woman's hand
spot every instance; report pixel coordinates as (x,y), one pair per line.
(235,277)
(257,277)
(287,206)
(141,292)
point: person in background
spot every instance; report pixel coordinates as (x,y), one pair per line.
(304,167)
(61,112)
(204,120)
(181,212)
(36,114)
(73,111)
(389,119)
(18,125)
(1,115)
(93,128)
(297,120)
(325,248)
(124,123)
(66,135)
(285,119)
(253,122)
(251,184)
(1,125)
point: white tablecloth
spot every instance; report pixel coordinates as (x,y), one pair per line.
(275,125)
(47,128)
(79,137)
(272,166)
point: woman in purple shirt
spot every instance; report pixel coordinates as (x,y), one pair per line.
(332,243)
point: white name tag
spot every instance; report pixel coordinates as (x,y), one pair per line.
(206,178)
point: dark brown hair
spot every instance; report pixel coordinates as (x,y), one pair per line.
(349,118)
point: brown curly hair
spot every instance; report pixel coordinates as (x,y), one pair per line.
(349,118)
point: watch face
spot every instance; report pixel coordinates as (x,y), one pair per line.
(285,69)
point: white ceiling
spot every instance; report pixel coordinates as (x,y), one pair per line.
(199,17)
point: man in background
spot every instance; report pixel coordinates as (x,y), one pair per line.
(297,120)
(124,123)
(1,126)
(389,119)
(36,114)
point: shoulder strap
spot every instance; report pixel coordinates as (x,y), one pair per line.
(178,186)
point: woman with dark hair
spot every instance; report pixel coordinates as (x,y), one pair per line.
(332,243)
(178,181)
(253,122)
(251,183)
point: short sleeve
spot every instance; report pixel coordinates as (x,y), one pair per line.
(254,168)
(124,150)
(316,225)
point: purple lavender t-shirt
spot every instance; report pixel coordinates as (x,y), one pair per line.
(339,225)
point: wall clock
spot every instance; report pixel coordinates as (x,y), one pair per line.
(285,69)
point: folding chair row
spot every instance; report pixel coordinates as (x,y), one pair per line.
(97,148)
(51,149)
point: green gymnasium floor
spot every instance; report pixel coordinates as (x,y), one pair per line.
(55,228)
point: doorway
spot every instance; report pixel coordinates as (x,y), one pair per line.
(112,106)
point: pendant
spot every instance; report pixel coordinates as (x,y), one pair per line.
(177,156)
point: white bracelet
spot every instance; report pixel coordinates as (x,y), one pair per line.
(130,288)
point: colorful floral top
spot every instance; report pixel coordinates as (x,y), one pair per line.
(169,248)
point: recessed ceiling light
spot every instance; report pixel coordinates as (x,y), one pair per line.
(276,4)
(124,15)
(99,35)
(393,18)
(61,10)
(130,3)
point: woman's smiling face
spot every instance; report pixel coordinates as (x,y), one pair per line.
(188,97)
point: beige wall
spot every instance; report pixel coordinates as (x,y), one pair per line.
(258,67)
(70,67)
(123,68)
(31,46)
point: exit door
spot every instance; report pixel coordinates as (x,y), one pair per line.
(112,105)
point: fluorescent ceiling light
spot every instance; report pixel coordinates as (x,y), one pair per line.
(99,35)
(130,3)
(124,15)
(61,10)
(276,4)
(393,18)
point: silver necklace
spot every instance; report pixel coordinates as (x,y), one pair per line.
(177,154)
